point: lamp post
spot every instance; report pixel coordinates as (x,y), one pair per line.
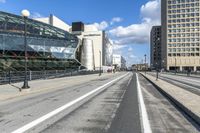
(156,71)
(100,63)
(163,64)
(145,64)
(175,66)
(25,14)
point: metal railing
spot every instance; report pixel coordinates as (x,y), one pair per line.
(9,77)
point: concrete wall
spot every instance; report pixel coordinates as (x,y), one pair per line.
(54,21)
(97,39)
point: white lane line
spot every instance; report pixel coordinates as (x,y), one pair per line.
(144,116)
(129,81)
(60,109)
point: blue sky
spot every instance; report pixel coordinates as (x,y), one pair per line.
(127,22)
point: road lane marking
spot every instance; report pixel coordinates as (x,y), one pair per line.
(144,116)
(60,109)
(129,81)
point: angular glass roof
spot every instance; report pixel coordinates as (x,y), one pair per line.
(15,24)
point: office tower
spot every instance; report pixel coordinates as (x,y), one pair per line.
(180,34)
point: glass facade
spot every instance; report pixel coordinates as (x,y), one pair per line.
(48,47)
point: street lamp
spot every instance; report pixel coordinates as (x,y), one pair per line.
(100,63)
(175,66)
(145,64)
(156,70)
(163,64)
(25,14)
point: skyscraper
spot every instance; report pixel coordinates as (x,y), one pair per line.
(181,34)
(156,59)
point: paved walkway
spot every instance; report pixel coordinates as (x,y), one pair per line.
(10,91)
(183,74)
(186,99)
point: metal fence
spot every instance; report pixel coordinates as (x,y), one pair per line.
(18,76)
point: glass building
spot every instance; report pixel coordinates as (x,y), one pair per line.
(48,47)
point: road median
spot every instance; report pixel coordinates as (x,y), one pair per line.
(188,102)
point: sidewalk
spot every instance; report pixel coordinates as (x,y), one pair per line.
(10,91)
(187,101)
(182,74)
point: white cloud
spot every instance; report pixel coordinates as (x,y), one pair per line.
(118,47)
(139,33)
(132,56)
(130,49)
(116,20)
(151,10)
(2,1)
(101,26)
(36,15)
(104,24)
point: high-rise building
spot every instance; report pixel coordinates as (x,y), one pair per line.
(181,34)
(156,60)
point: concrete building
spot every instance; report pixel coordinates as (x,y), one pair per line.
(140,67)
(87,54)
(155,52)
(119,62)
(54,21)
(181,34)
(102,47)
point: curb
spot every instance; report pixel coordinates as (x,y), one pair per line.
(180,106)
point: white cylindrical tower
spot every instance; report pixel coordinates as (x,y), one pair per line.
(87,54)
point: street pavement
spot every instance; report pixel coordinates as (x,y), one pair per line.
(191,84)
(111,103)
(127,118)
(164,117)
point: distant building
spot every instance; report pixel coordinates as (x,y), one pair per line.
(90,39)
(119,62)
(155,48)
(140,67)
(102,46)
(180,34)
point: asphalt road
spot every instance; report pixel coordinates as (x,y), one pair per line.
(127,118)
(109,104)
